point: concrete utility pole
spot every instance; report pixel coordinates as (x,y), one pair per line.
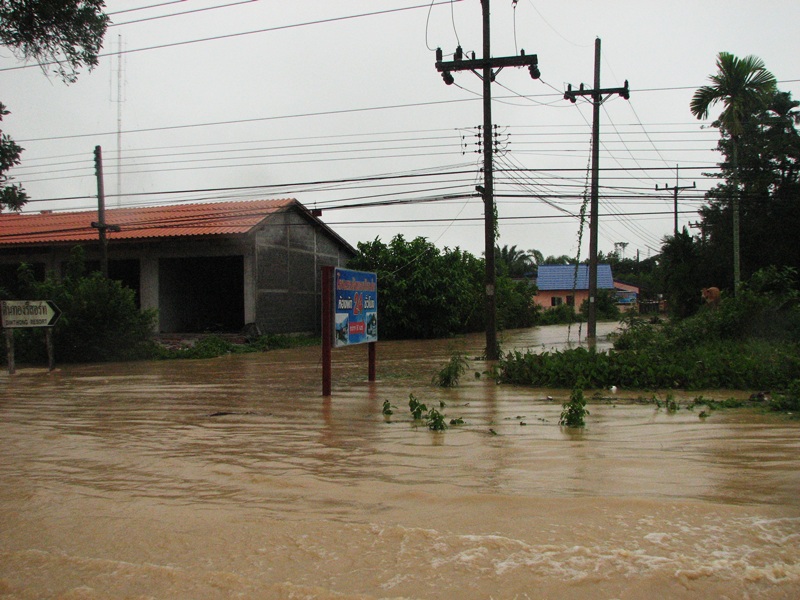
(676,188)
(485,66)
(100,224)
(597,95)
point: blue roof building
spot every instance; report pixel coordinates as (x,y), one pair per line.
(557,284)
(562,277)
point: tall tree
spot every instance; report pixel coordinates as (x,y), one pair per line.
(743,86)
(64,34)
(768,177)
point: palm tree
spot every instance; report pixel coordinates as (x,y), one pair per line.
(743,86)
(518,262)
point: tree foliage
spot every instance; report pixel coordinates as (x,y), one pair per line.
(67,34)
(430,293)
(768,174)
(742,85)
(11,194)
(517,263)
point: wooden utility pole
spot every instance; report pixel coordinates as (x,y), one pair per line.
(597,94)
(485,67)
(100,224)
(675,189)
(489,222)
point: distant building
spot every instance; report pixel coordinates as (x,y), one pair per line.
(205,267)
(558,284)
(627,296)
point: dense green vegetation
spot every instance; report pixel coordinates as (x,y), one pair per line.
(751,341)
(430,293)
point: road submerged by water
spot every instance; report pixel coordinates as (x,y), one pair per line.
(234,478)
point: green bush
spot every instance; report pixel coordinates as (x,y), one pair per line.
(748,342)
(606,306)
(99,321)
(788,401)
(557,315)
(574,412)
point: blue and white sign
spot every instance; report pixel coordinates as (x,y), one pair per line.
(355,307)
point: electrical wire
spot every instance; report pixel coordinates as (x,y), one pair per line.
(186,12)
(240,34)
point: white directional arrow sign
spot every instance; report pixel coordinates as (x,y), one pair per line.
(29,313)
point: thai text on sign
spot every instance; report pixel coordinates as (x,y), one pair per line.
(355,307)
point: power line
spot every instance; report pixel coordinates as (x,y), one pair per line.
(243,33)
(178,14)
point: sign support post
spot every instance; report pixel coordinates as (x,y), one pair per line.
(12,367)
(51,356)
(349,316)
(327,328)
(373,351)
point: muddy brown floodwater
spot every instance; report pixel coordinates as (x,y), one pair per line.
(233,478)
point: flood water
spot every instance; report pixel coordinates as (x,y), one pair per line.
(234,478)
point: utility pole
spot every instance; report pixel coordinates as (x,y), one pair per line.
(484,68)
(597,94)
(100,224)
(676,188)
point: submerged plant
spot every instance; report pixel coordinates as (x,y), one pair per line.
(435,420)
(574,413)
(672,404)
(452,371)
(416,407)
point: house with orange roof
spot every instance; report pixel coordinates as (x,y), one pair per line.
(205,267)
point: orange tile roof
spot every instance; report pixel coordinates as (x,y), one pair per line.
(217,218)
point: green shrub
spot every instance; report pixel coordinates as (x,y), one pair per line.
(574,412)
(606,308)
(741,365)
(563,313)
(99,321)
(788,401)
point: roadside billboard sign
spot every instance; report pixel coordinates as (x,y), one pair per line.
(355,308)
(29,313)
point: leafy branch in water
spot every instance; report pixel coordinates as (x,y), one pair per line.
(452,371)
(416,407)
(574,413)
(435,420)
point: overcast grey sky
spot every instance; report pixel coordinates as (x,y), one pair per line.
(291,94)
